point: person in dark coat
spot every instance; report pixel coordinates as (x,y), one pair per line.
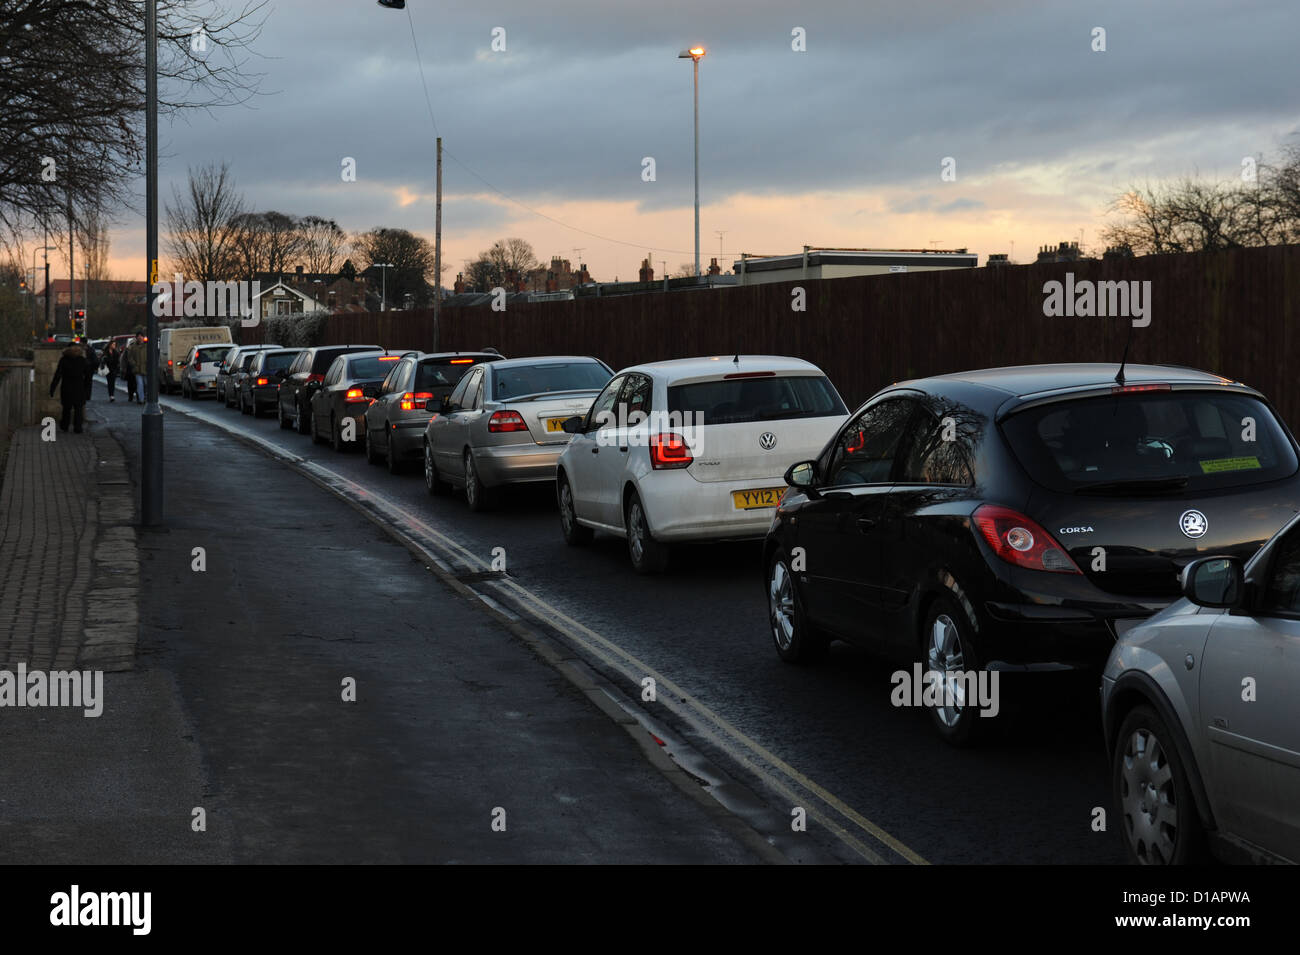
(92,365)
(112,363)
(128,375)
(73,375)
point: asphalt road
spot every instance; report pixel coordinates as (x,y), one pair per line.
(878,773)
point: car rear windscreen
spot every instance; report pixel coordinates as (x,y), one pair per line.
(324,357)
(372,367)
(442,372)
(274,361)
(737,400)
(212,353)
(517,381)
(1211,439)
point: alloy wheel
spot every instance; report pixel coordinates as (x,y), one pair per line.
(780,599)
(945,657)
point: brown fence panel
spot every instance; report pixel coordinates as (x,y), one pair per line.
(1226,312)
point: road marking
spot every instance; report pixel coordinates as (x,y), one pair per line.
(719,731)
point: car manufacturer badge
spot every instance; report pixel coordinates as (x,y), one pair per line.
(1193,524)
(767,441)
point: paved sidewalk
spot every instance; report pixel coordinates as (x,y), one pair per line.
(235,704)
(67,546)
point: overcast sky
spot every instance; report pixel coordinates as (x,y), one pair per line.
(839,145)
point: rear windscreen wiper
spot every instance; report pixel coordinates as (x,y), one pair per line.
(1139,484)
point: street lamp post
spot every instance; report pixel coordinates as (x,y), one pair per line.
(383,285)
(694,54)
(45,249)
(151,422)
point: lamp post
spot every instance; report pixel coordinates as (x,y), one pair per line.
(151,422)
(43,248)
(694,54)
(383,285)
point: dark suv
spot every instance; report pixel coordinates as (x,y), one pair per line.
(1020,518)
(293,401)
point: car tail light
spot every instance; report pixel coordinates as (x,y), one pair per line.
(461,361)
(751,374)
(1124,389)
(169,362)
(1020,541)
(412,401)
(668,451)
(263,381)
(198,365)
(315,377)
(355,394)
(506,421)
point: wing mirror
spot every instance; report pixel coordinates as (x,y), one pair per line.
(1216,582)
(803,476)
(573,425)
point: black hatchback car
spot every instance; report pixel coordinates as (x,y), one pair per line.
(1020,518)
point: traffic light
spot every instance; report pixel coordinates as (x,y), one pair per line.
(79,322)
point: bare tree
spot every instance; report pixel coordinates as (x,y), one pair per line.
(507,259)
(72,94)
(203,225)
(411,258)
(323,244)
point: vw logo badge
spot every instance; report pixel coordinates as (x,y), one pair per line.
(767,441)
(1193,524)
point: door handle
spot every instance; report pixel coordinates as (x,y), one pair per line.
(624,450)
(866,523)
(595,450)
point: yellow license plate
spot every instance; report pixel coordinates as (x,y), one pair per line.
(556,424)
(758,497)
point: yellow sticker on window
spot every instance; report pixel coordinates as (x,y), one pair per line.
(1228,464)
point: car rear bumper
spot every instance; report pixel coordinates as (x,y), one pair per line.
(1025,636)
(406,437)
(680,508)
(517,464)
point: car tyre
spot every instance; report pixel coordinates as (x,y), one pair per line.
(477,495)
(948,647)
(433,482)
(372,456)
(336,436)
(285,423)
(795,639)
(395,464)
(311,426)
(1159,822)
(575,534)
(243,407)
(649,556)
(302,420)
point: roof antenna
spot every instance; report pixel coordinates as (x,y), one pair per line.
(1119,377)
(736,360)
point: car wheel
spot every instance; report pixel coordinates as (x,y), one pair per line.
(477,496)
(1159,821)
(372,455)
(336,436)
(302,420)
(311,426)
(649,556)
(285,423)
(575,534)
(243,405)
(948,650)
(796,641)
(395,464)
(433,482)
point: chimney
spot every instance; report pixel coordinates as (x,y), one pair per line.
(460,283)
(714,268)
(647,272)
(551,284)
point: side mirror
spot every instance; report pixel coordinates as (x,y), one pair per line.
(445,404)
(1215,582)
(573,425)
(803,476)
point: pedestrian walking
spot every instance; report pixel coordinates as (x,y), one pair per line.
(137,354)
(92,364)
(71,374)
(112,364)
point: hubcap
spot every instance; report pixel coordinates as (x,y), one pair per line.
(428,466)
(471,480)
(1148,800)
(780,599)
(566,507)
(944,655)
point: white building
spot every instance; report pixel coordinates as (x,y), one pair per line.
(842,263)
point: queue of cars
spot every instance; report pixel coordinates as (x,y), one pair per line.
(1136,521)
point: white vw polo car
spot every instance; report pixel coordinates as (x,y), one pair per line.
(692,450)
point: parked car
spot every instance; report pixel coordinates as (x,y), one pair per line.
(691,450)
(1202,717)
(408,398)
(227,369)
(258,386)
(199,370)
(343,395)
(237,372)
(1020,518)
(310,366)
(174,344)
(502,424)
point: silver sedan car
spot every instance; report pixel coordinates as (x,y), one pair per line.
(503,424)
(1202,714)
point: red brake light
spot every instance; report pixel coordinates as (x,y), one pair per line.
(506,421)
(198,365)
(461,361)
(1020,541)
(752,374)
(1121,389)
(669,451)
(315,377)
(390,357)
(263,381)
(411,401)
(355,394)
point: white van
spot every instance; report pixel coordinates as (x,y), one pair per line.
(175,343)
